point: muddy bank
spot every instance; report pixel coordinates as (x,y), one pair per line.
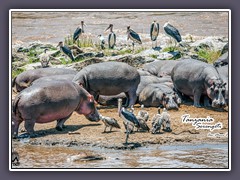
(86,133)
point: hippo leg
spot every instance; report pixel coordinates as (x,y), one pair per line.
(206,102)
(15,128)
(197,96)
(60,123)
(29,126)
(132,97)
(127,100)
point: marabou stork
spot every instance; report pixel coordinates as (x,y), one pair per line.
(133,36)
(78,31)
(65,50)
(128,118)
(154,31)
(172,32)
(111,37)
(109,122)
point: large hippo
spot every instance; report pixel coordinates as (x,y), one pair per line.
(25,79)
(55,100)
(223,72)
(45,79)
(109,78)
(144,81)
(160,68)
(195,79)
(155,95)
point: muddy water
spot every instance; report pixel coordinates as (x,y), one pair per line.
(164,156)
(54,26)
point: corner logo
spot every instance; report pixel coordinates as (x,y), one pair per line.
(15,159)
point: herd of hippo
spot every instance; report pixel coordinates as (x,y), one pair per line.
(49,94)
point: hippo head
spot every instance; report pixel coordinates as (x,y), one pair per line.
(216,92)
(87,107)
(171,101)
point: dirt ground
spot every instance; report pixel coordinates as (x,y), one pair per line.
(84,132)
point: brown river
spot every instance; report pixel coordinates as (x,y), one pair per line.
(52,27)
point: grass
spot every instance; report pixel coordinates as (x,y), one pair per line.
(170,49)
(154,56)
(83,41)
(210,55)
(17,72)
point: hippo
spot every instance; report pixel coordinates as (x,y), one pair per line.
(109,78)
(160,68)
(50,101)
(222,60)
(145,80)
(68,77)
(223,72)
(112,100)
(143,73)
(155,95)
(24,79)
(195,79)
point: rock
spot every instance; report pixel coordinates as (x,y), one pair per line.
(169,55)
(225,49)
(211,43)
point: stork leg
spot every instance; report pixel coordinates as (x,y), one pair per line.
(111,129)
(127,133)
(105,129)
(133,46)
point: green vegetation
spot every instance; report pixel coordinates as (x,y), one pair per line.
(171,49)
(17,72)
(209,55)
(83,41)
(154,56)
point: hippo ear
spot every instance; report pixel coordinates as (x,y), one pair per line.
(91,98)
(81,84)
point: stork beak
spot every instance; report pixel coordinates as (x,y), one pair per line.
(84,24)
(107,28)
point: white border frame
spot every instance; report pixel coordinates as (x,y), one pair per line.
(126,10)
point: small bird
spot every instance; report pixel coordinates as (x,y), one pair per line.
(109,122)
(133,36)
(78,31)
(44,58)
(111,37)
(66,51)
(172,32)
(161,120)
(128,118)
(143,124)
(154,31)
(102,41)
(143,113)
(156,116)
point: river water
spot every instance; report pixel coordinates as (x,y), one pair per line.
(54,26)
(154,156)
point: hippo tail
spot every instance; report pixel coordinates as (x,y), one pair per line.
(15,104)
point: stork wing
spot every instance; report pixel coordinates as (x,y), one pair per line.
(68,52)
(135,37)
(131,117)
(173,32)
(77,33)
(153,33)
